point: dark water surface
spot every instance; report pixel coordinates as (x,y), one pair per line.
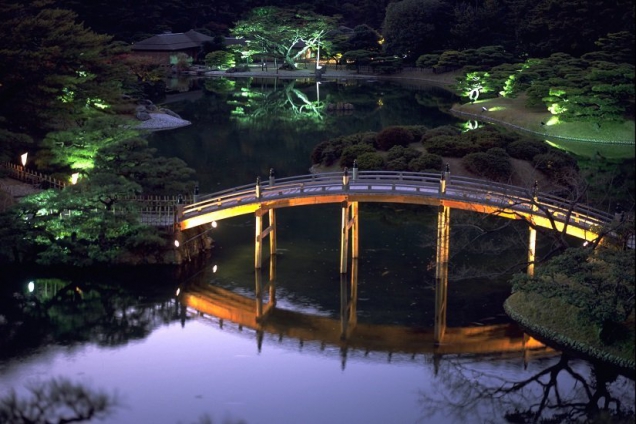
(357,349)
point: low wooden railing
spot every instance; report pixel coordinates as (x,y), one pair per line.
(36,179)
(404,183)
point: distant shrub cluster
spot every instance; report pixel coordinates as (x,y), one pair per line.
(485,151)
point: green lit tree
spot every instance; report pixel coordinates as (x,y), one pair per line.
(55,71)
(284,33)
(134,161)
(75,149)
(220,60)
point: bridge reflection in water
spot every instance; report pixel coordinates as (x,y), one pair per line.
(261,314)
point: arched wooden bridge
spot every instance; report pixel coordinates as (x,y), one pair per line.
(482,196)
(443,191)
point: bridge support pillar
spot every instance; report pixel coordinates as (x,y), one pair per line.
(441,261)
(262,308)
(441,271)
(261,234)
(348,302)
(532,244)
(349,223)
(532,239)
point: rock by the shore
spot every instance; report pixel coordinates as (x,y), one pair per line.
(162,121)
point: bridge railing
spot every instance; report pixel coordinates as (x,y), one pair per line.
(520,198)
(414,183)
(36,179)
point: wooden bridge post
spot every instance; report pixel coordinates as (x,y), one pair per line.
(532,239)
(258,242)
(260,234)
(441,265)
(348,302)
(349,222)
(272,233)
(258,289)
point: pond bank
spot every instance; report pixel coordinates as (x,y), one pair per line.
(562,329)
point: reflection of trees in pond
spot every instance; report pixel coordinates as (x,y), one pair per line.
(287,102)
(480,246)
(219,85)
(56,401)
(557,393)
(101,313)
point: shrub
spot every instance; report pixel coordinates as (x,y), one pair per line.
(427,60)
(494,167)
(350,153)
(498,151)
(553,163)
(487,137)
(426,162)
(329,155)
(397,164)
(357,138)
(417,131)
(370,162)
(317,153)
(393,136)
(444,145)
(446,130)
(395,152)
(526,149)
(408,153)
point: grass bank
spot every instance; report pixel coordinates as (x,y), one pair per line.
(612,140)
(555,321)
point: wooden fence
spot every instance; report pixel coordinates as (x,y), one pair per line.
(36,179)
(158,211)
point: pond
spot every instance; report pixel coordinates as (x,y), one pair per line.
(207,343)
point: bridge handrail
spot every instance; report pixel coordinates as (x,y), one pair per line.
(497,194)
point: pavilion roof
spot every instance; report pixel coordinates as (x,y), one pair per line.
(172,41)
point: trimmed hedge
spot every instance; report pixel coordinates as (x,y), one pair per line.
(370,162)
(398,164)
(445,145)
(393,136)
(350,153)
(408,153)
(554,163)
(426,162)
(446,130)
(526,149)
(494,167)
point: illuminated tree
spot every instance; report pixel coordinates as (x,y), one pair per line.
(55,72)
(75,149)
(134,161)
(284,33)
(220,60)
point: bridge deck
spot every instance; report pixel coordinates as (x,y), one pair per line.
(399,187)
